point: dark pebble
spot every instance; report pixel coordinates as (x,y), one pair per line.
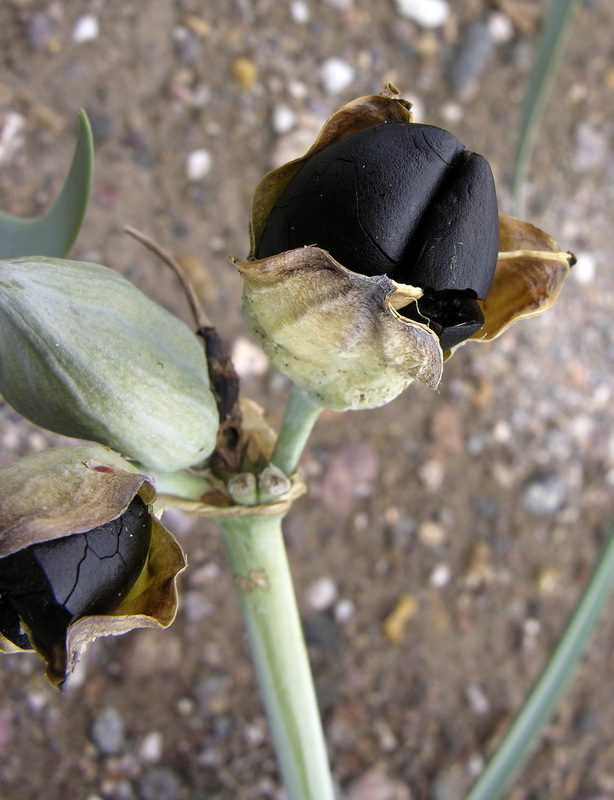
(485,507)
(108,732)
(159,783)
(101,125)
(469,61)
(41,29)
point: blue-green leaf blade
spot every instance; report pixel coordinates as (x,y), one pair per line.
(54,233)
(554,37)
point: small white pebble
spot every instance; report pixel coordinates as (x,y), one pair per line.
(150,750)
(254,735)
(11,138)
(344,610)
(248,359)
(432,474)
(440,576)
(204,575)
(478,701)
(428,13)
(185,706)
(198,164)
(502,432)
(298,90)
(300,12)
(86,29)
(500,27)
(321,594)
(283,118)
(431,533)
(37,701)
(583,271)
(335,75)
(531,627)
(475,765)
(452,112)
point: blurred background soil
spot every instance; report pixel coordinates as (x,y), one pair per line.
(472,515)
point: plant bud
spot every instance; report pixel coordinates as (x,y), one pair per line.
(86,354)
(376,254)
(81,554)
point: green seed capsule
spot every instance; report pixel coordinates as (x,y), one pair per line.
(85,354)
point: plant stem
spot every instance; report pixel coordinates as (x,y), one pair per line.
(519,740)
(301,415)
(264,586)
(182,483)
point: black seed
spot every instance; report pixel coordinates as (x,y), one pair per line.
(10,625)
(404,200)
(49,585)
(457,242)
(363,197)
(451,315)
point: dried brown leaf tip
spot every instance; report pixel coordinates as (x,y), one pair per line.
(81,555)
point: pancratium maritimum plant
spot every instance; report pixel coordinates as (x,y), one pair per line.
(372,258)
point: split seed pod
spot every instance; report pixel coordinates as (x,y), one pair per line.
(377,253)
(81,555)
(84,353)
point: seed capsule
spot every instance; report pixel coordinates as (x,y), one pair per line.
(403,200)
(409,220)
(84,353)
(82,554)
(48,585)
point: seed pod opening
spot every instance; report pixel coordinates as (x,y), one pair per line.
(82,554)
(376,253)
(404,200)
(49,585)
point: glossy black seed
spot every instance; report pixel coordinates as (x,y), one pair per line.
(453,316)
(48,585)
(457,242)
(363,197)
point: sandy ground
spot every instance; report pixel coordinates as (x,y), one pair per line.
(486,502)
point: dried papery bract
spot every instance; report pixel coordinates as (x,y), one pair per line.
(530,273)
(55,497)
(337,334)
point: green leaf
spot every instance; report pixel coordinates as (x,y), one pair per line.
(54,233)
(554,37)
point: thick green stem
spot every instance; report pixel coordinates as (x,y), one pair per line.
(520,739)
(181,484)
(264,586)
(301,415)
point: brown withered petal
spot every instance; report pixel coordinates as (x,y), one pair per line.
(530,273)
(336,333)
(64,490)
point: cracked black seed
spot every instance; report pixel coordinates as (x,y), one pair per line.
(49,585)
